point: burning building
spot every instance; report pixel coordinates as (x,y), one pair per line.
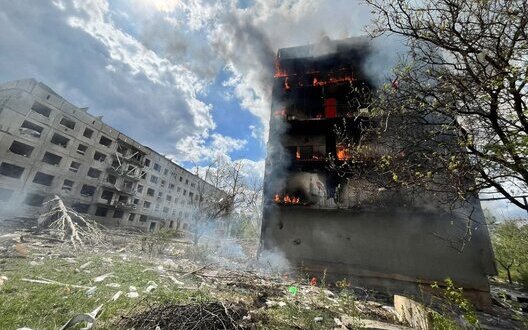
(321,219)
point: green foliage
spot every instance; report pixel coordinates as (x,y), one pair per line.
(453,303)
(510,244)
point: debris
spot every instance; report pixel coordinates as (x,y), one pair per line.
(192,316)
(91,291)
(133,292)
(313,281)
(3,279)
(113,285)
(179,283)
(152,286)
(133,295)
(412,312)
(271,303)
(88,318)
(103,277)
(83,266)
(116,295)
(318,319)
(293,290)
(21,250)
(52,282)
(69,225)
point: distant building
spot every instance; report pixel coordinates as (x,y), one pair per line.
(322,221)
(49,146)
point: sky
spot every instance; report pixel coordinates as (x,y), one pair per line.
(191,79)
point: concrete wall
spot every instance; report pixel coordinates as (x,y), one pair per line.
(392,249)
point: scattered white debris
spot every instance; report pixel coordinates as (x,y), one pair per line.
(89,318)
(271,303)
(91,291)
(116,295)
(133,295)
(179,283)
(3,279)
(33,263)
(103,277)
(152,286)
(318,319)
(113,285)
(133,292)
(83,266)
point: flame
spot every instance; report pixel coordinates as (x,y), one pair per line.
(287,199)
(298,154)
(278,70)
(332,80)
(286,85)
(343,153)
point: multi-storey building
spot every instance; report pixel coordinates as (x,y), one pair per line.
(324,220)
(49,146)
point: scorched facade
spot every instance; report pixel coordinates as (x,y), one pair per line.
(322,220)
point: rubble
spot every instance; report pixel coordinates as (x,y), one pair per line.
(204,316)
(69,225)
(89,318)
(249,293)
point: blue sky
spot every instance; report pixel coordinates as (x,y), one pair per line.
(191,79)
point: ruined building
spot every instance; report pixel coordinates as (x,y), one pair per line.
(321,220)
(49,146)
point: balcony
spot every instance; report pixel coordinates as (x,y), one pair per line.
(130,174)
(123,205)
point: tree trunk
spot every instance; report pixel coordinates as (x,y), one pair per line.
(509,275)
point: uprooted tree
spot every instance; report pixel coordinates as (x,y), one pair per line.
(456,113)
(69,225)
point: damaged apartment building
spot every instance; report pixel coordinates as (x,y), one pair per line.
(321,220)
(49,146)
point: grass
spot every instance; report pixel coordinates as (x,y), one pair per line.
(40,306)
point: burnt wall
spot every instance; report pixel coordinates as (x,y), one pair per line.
(380,247)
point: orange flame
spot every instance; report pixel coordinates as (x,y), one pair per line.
(332,80)
(343,153)
(286,85)
(286,199)
(298,154)
(278,70)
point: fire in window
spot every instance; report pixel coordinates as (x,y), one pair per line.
(343,152)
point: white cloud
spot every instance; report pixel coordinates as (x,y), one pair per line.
(205,147)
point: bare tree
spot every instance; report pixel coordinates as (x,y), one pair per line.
(455,117)
(224,190)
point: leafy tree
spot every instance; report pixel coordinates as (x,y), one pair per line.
(456,113)
(510,244)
